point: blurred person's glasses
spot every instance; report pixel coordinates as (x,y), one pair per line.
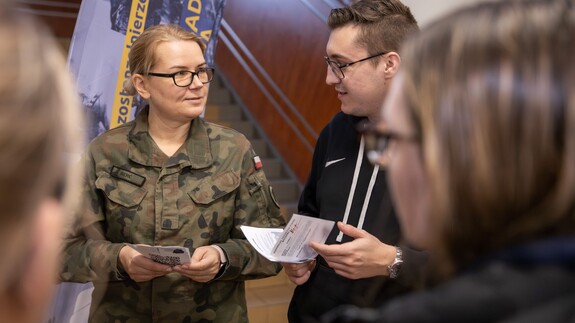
(337,68)
(185,78)
(378,141)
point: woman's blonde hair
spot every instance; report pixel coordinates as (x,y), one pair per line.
(491,90)
(142,56)
(39,123)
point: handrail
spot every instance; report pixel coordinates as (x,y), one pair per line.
(222,34)
(245,51)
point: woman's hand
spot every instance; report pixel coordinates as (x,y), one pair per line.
(204,266)
(140,268)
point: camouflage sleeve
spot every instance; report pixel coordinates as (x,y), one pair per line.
(88,256)
(256,206)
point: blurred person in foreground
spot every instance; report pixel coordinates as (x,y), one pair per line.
(39,115)
(362,261)
(169,178)
(478,135)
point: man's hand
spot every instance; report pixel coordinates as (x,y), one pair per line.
(140,268)
(299,273)
(204,265)
(363,257)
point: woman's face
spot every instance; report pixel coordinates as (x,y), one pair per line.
(406,175)
(167,101)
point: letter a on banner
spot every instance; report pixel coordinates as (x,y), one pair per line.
(104,34)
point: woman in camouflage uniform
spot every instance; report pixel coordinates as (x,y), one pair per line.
(169,178)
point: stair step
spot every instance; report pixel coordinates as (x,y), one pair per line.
(273,168)
(260,146)
(222,111)
(220,95)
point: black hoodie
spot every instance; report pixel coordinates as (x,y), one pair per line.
(337,164)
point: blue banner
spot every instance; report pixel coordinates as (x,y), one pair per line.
(105,31)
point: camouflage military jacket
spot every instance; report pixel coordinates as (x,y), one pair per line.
(200,196)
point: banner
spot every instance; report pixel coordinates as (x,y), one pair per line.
(105,31)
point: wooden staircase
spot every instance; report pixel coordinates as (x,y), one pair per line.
(267,299)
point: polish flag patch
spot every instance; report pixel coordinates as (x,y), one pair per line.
(258,162)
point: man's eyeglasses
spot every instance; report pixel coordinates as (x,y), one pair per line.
(337,68)
(185,78)
(378,142)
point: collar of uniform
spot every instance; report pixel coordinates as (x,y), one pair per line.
(143,150)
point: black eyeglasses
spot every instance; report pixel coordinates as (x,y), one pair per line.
(377,141)
(337,68)
(185,78)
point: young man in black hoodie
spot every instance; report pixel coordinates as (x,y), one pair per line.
(361,263)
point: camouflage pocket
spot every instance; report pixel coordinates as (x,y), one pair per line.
(120,192)
(211,189)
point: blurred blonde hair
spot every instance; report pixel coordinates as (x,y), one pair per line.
(142,56)
(39,122)
(491,91)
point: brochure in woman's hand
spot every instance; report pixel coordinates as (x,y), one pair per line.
(168,255)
